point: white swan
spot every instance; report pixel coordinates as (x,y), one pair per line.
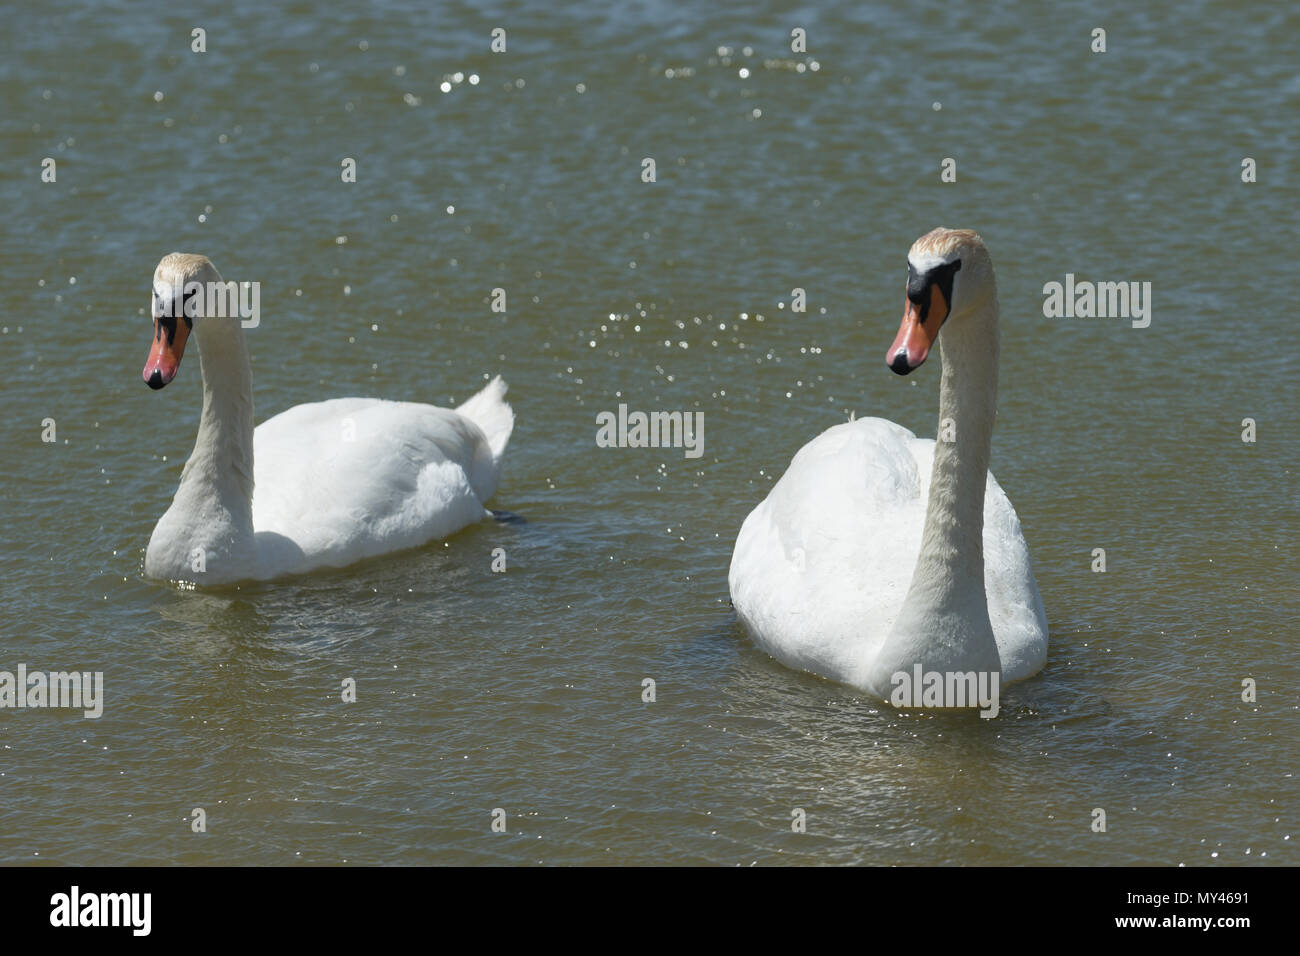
(319,485)
(821,570)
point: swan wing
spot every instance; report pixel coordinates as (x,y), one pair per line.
(1015,606)
(822,565)
(350,478)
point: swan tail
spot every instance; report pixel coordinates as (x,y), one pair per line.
(492,414)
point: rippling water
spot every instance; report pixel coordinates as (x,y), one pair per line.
(522,690)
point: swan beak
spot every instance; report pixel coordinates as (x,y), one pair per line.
(918,332)
(169,338)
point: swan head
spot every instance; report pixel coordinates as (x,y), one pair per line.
(176,306)
(947,277)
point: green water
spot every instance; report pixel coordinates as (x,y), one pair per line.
(522,690)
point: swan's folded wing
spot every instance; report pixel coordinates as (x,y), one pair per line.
(351,478)
(822,565)
(1015,606)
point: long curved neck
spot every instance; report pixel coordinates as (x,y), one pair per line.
(944,624)
(952,544)
(221,465)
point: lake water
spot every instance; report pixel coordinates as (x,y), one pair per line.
(774,170)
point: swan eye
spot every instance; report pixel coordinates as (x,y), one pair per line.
(165,309)
(919,283)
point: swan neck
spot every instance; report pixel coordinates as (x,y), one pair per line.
(952,543)
(223,451)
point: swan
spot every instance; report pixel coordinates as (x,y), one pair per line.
(318,485)
(878,551)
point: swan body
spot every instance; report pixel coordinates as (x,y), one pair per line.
(878,551)
(319,485)
(822,565)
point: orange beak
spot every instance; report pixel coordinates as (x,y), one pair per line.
(169,337)
(917,334)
